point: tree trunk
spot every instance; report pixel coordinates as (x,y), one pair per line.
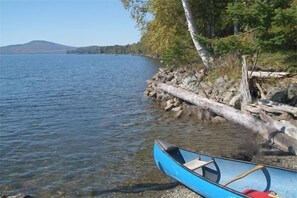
(283,141)
(203,53)
(236,28)
(235,25)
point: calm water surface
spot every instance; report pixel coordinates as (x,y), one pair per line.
(74,125)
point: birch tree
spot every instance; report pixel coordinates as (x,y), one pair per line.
(207,59)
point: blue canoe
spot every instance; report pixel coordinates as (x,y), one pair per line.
(221,177)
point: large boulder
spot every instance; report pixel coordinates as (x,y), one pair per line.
(277,94)
(219,82)
(292,94)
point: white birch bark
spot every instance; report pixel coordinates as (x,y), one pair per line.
(203,53)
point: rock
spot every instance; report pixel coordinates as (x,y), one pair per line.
(292,94)
(160,95)
(170,77)
(293,101)
(176,108)
(169,105)
(207,115)
(187,110)
(167,96)
(202,93)
(153,94)
(178,113)
(182,86)
(200,75)
(189,80)
(292,90)
(199,114)
(146,93)
(219,86)
(177,103)
(21,195)
(219,82)
(207,87)
(228,96)
(174,81)
(217,120)
(277,94)
(163,79)
(236,101)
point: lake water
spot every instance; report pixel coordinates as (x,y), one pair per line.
(78,125)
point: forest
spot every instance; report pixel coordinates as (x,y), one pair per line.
(135,48)
(226,29)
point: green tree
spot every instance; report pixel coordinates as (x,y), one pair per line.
(272,23)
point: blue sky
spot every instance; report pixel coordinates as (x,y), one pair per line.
(69,22)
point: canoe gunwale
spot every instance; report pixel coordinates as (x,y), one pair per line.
(219,157)
(163,146)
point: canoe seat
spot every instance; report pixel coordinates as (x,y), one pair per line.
(196,163)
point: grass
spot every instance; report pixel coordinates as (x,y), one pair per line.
(229,65)
(225,66)
(279,61)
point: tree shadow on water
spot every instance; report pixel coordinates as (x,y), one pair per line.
(138,188)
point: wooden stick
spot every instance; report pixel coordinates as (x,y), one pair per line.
(261,91)
(258,167)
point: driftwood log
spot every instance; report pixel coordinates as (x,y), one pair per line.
(264,74)
(264,107)
(271,106)
(269,132)
(244,86)
(283,126)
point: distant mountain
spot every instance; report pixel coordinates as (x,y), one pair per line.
(36,47)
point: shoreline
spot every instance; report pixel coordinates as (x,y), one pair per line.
(223,90)
(267,154)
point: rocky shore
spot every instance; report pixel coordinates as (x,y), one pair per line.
(223,90)
(226,91)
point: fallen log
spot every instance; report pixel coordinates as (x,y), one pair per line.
(263,74)
(283,126)
(271,106)
(282,140)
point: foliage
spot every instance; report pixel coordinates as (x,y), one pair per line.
(241,43)
(164,34)
(138,10)
(273,23)
(265,26)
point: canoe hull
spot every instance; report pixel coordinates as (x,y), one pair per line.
(208,180)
